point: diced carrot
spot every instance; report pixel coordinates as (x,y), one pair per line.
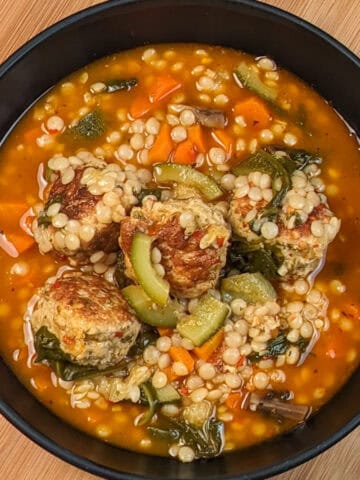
(164,331)
(185,153)
(254,111)
(208,348)
(171,375)
(162,147)
(234,400)
(162,87)
(30,136)
(140,106)
(223,139)
(21,241)
(179,354)
(196,135)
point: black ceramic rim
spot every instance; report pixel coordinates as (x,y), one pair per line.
(7,411)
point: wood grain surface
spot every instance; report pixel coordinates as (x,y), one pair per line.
(21,459)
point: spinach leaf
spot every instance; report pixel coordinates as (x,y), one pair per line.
(278,346)
(55,199)
(156,192)
(147,336)
(47,347)
(117,85)
(90,127)
(44,220)
(148,397)
(206,441)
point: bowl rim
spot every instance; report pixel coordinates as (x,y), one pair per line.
(17,420)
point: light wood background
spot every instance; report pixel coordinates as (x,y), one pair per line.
(20,459)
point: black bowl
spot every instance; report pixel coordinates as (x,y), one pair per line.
(116,25)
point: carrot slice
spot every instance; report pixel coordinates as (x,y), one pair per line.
(254,111)
(223,139)
(195,134)
(21,242)
(171,375)
(179,354)
(234,400)
(162,147)
(140,106)
(162,87)
(208,348)
(185,153)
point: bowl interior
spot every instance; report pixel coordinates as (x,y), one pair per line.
(118,25)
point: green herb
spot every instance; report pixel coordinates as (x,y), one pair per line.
(251,80)
(44,220)
(120,277)
(252,257)
(90,127)
(278,346)
(52,200)
(156,192)
(148,397)
(47,347)
(147,336)
(206,441)
(117,85)
(47,173)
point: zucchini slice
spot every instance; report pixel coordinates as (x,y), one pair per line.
(208,316)
(251,287)
(154,286)
(144,308)
(174,172)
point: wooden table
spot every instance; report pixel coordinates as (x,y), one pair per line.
(20,459)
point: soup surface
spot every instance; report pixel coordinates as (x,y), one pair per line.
(165,213)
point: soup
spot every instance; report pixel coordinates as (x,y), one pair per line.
(176,222)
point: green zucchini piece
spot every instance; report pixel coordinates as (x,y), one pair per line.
(154,286)
(208,316)
(251,287)
(166,316)
(167,394)
(251,80)
(173,172)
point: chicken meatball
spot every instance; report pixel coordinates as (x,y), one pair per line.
(192,239)
(89,318)
(85,200)
(297,232)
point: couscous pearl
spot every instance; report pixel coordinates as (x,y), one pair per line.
(255,194)
(58,163)
(296,201)
(205,83)
(266,63)
(152,126)
(269,230)
(97,256)
(294,307)
(54,209)
(87,232)
(186,219)
(73,226)
(293,336)
(199,394)
(151,355)
(260,380)
(137,141)
(67,175)
(314,296)
(237,306)
(217,155)
(159,269)
(221,100)
(155,255)
(207,371)
(187,117)
(59,220)
(301,287)
(137,126)
(265,181)
(241,191)
(110,199)
(228,181)
(290,140)
(159,380)
(306,330)
(337,287)
(148,54)
(317,228)
(231,356)
(98,87)
(55,124)
(44,140)
(267,194)
(100,268)
(255,178)
(20,268)
(186,454)
(242,327)
(194,382)
(266,135)
(292,355)
(125,152)
(233,339)
(164,360)
(72,241)
(178,134)
(295,321)
(232,380)
(180,369)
